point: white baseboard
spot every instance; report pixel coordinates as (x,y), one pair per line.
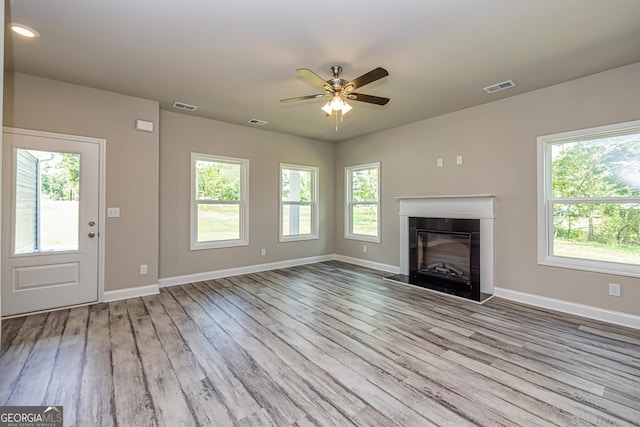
(139,291)
(369,264)
(229,272)
(587,311)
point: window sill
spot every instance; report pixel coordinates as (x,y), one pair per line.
(613,268)
(218,245)
(297,238)
(363,238)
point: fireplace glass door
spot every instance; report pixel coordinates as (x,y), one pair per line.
(445,255)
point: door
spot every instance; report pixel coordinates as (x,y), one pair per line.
(50,250)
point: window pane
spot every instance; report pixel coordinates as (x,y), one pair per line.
(296,220)
(605,167)
(603,232)
(365,220)
(364,185)
(47,193)
(296,185)
(217,181)
(218,222)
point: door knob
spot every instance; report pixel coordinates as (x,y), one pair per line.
(92,235)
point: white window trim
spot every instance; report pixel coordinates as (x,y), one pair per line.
(315,180)
(348,208)
(243,203)
(545,211)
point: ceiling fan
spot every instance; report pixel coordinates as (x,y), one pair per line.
(340,90)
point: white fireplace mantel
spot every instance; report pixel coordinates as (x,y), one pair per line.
(467,207)
(464,207)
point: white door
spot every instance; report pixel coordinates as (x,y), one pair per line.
(50,219)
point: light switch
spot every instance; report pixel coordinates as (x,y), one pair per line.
(113,212)
(440,162)
(458,160)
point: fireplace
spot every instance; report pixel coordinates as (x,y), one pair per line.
(444,255)
(446,244)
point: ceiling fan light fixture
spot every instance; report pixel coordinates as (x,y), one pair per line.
(346,108)
(327,108)
(337,103)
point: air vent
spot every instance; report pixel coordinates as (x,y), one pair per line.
(258,122)
(500,86)
(183,106)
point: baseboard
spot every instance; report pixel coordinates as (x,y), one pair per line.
(139,291)
(369,264)
(229,272)
(595,313)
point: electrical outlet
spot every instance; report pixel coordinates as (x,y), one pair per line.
(364,248)
(263,252)
(143,268)
(614,289)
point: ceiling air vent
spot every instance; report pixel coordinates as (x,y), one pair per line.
(499,86)
(183,106)
(258,122)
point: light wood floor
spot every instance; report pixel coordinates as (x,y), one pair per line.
(325,344)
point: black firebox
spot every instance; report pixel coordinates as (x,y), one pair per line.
(444,255)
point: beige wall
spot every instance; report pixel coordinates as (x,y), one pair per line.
(498,142)
(179,136)
(32,102)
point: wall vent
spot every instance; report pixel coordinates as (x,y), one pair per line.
(258,122)
(499,86)
(183,106)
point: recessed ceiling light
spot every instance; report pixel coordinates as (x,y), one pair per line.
(23,30)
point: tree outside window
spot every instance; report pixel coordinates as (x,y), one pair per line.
(592,193)
(219,201)
(298,202)
(362,202)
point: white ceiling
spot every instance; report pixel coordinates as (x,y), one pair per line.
(236,59)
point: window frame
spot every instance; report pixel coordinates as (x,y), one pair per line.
(546,201)
(348,211)
(314,204)
(243,203)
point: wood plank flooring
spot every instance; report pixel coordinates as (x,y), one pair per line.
(327,344)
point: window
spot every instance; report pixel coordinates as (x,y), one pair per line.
(589,199)
(298,202)
(219,201)
(47,208)
(362,206)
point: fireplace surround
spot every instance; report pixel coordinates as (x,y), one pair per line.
(446,244)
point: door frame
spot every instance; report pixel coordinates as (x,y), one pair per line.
(102,148)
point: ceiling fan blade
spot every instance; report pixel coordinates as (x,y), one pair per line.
(365,79)
(368,98)
(302,98)
(314,78)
